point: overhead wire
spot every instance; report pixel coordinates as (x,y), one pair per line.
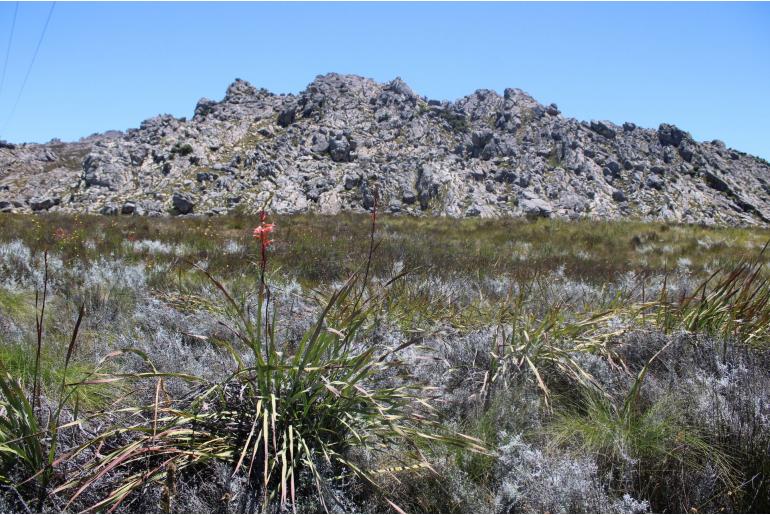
(8,48)
(29,68)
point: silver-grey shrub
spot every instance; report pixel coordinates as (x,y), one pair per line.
(538,480)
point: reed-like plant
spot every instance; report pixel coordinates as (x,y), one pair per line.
(737,305)
(28,439)
(547,346)
(21,437)
(288,411)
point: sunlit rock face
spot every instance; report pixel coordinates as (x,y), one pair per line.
(345,140)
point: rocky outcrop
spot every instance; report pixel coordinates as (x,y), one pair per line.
(183,203)
(345,138)
(43,203)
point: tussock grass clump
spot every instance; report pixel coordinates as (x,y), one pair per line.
(21,445)
(732,303)
(547,346)
(651,444)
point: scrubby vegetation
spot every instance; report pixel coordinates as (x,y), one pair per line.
(434,365)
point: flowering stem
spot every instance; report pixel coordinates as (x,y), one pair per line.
(371,247)
(262,233)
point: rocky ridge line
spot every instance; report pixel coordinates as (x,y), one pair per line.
(330,147)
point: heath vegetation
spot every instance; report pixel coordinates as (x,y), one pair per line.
(358,364)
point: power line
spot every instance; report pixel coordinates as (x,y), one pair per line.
(31,64)
(8,48)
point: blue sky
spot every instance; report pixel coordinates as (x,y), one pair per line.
(704,67)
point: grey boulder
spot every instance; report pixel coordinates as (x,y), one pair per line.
(183,203)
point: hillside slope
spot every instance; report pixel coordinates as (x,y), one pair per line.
(330,147)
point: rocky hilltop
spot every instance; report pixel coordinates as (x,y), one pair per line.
(329,148)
